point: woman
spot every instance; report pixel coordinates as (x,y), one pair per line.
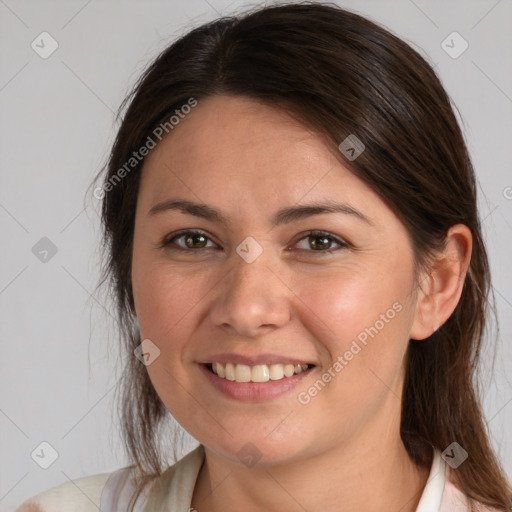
(292,234)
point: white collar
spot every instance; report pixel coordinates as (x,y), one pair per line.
(432,496)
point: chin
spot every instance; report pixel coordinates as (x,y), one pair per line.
(252,451)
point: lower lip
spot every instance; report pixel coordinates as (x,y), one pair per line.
(254,391)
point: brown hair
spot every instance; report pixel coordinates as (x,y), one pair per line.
(339,74)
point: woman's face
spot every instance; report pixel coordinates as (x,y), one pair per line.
(342,300)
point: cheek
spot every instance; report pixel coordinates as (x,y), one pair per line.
(166,302)
(361,319)
(348,302)
(165,299)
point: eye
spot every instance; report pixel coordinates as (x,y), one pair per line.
(321,239)
(195,239)
(191,237)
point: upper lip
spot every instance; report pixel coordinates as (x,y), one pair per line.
(254,360)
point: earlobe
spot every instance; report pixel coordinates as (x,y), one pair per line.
(426,320)
(440,289)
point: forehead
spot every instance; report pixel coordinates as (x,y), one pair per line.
(246,152)
(224,128)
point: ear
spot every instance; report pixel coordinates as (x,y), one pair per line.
(440,289)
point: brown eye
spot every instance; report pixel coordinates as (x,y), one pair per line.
(320,241)
(192,240)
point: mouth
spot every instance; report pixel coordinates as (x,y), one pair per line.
(260,373)
(235,381)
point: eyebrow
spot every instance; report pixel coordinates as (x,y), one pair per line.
(284,216)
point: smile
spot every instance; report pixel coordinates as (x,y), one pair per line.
(275,379)
(257,373)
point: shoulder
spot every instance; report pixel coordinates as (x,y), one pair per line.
(120,489)
(173,490)
(454,499)
(80,495)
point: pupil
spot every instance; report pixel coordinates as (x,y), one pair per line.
(320,237)
(190,239)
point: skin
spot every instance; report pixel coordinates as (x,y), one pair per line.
(342,451)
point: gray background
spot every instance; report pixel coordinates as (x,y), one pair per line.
(59,361)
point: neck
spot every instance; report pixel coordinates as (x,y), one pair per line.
(359,475)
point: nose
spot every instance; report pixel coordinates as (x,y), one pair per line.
(251,299)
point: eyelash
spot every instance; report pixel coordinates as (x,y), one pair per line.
(169,240)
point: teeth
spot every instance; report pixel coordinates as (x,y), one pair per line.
(258,373)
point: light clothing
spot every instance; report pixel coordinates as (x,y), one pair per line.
(113,492)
